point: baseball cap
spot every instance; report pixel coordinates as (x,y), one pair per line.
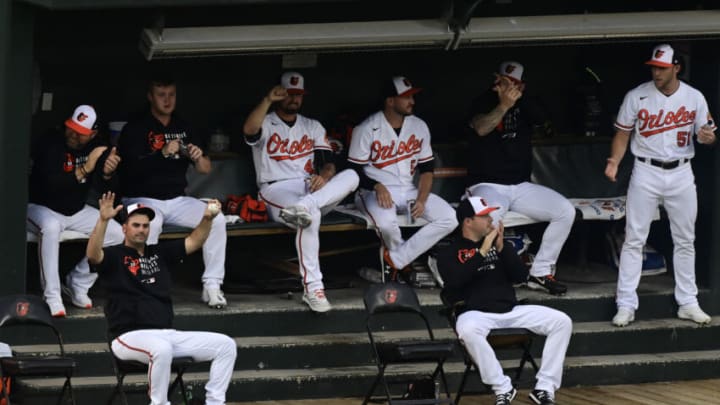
(83,120)
(663,56)
(512,70)
(293,82)
(473,207)
(138,208)
(400,86)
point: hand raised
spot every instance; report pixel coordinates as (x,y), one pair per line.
(105,206)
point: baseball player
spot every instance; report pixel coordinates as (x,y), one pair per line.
(139,308)
(501,166)
(66,164)
(296,175)
(387,149)
(158,148)
(479,271)
(662,115)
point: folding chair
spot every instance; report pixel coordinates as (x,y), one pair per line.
(29,310)
(499,339)
(384,302)
(124,367)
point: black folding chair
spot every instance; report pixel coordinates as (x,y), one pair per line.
(30,310)
(500,339)
(124,367)
(384,302)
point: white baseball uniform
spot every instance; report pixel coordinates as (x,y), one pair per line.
(662,135)
(284,161)
(391,159)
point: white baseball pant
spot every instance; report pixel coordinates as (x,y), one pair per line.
(158,347)
(473,327)
(537,202)
(285,193)
(48,225)
(188,211)
(649,187)
(439,214)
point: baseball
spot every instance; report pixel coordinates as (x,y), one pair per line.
(214,208)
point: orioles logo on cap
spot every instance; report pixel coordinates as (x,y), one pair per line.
(82,117)
(294,80)
(22,308)
(509,69)
(659,53)
(407,82)
(391,295)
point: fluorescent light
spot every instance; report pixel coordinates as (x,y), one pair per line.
(198,41)
(668,24)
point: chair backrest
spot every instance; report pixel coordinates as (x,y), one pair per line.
(391,297)
(27,309)
(451,307)
(22,309)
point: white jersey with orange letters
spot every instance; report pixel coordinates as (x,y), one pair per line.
(662,129)
(664,125)
(286,152)
(390,159)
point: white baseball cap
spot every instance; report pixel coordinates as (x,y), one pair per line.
(400,86)
(83,120)
(663,56)
(473,207)
(512,69)
(139,208)
(293,82)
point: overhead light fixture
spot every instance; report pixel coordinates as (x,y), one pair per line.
(209,41)
(589,27)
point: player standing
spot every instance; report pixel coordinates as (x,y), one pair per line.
(662,116)
(386,150)
(296,175)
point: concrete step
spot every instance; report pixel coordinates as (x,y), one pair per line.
(348,349)
(285,314)
(355,380)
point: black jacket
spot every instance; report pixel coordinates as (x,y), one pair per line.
(483,283)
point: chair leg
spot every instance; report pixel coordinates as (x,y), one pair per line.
(121,391)
(372,388)
(463,380)
(70,389)
(183,391)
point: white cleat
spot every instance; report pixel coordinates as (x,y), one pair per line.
(296,215)
(694,313)
(623,317)
(57,309)
(214,297)
(80,300)
(317,301)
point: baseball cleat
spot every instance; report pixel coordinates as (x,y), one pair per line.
(541,397)
(623,317)
(57,309)
(505,398)
(317,301)
(80,300)
(693,313)
(296,215)
(214,297)
(547,283)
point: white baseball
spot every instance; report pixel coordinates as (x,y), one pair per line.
(214,208)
